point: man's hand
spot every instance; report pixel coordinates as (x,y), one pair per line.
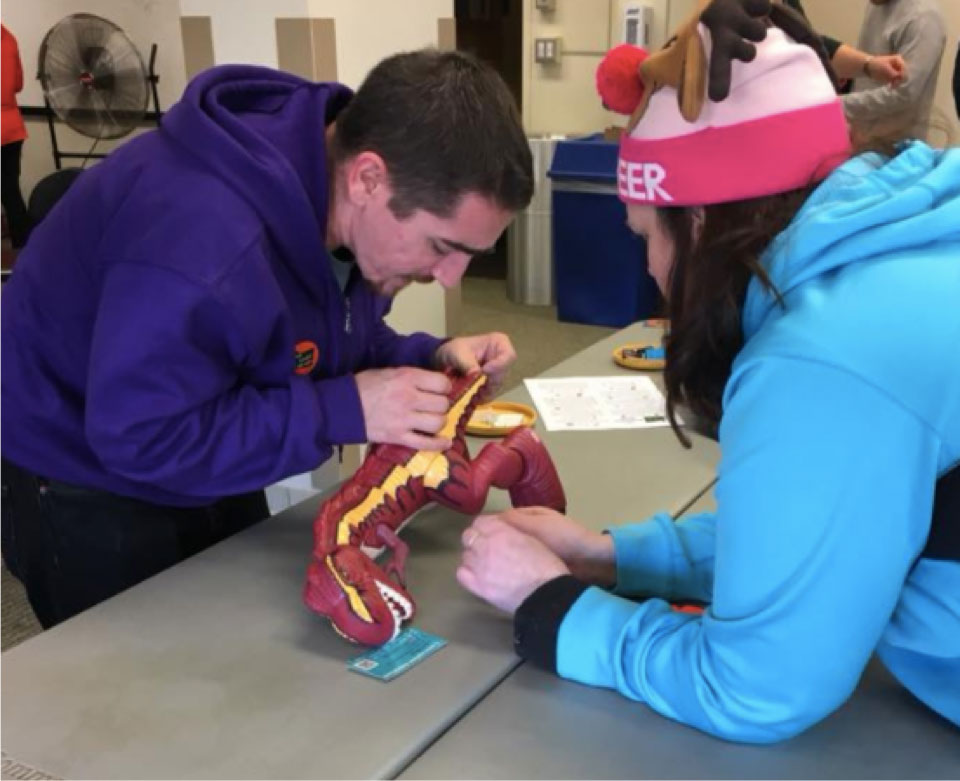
(405,406)
(588,554)
(504,566)
(491,354)
(889,69)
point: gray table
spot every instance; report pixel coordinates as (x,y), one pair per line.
(214,669)
(534,725)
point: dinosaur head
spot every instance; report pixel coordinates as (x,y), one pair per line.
(362,601)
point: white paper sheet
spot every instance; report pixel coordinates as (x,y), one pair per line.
(598,403)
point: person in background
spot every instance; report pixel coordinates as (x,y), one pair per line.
(14,132)
(202,315)
(837,529)
(850,63)
(916,30)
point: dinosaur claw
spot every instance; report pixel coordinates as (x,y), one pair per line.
(400,549)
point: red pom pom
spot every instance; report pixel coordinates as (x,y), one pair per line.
(618,78)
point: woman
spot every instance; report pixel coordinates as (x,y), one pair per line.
(815,318)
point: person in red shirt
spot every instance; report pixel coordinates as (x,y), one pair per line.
(13,134)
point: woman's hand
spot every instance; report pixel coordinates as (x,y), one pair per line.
(504,566)
(589,555)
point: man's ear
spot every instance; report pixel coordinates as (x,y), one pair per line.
(366,176)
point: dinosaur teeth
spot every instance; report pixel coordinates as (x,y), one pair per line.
(400,606)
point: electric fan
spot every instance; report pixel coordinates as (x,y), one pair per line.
(93,77)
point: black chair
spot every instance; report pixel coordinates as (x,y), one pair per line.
(49,190)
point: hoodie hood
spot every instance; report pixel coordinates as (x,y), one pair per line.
(263,132)
(867,208)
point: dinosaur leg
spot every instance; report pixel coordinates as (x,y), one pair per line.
(465,490)
(396,566)
(539,484)
(519,464)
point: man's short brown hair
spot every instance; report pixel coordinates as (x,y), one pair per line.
(446,125)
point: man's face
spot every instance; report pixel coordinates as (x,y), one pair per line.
(392,253)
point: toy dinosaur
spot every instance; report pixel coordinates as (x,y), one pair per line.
(367,603)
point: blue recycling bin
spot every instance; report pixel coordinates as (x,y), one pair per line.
(599,265)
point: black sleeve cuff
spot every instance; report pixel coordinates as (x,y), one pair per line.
(536,623)
(830,44)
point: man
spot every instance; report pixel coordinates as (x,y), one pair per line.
(849,63)
(914,29)
(202,314)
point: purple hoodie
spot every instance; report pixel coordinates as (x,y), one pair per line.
(150,330)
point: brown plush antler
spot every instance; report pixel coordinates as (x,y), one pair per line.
(733,24)
(681,64)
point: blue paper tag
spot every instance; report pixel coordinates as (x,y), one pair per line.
(388,661)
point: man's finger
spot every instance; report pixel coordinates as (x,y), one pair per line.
(432,382)
(426,422)
(434,403)
(462,364)
(499,363)
(423,442)
(463,353)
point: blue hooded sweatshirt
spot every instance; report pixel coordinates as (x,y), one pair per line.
(151,332)
(842,410)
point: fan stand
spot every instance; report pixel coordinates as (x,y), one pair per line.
(155,115)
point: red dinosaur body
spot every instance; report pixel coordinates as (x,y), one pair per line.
(368,603)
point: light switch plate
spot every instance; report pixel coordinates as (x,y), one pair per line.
(546,50)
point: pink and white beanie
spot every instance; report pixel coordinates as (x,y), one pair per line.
(781,128)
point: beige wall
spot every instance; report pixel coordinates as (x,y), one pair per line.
(145,22)
(562,98)
(244,31)
(842,20)
(369,30)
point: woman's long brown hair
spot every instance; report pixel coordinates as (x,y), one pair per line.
(714,262)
